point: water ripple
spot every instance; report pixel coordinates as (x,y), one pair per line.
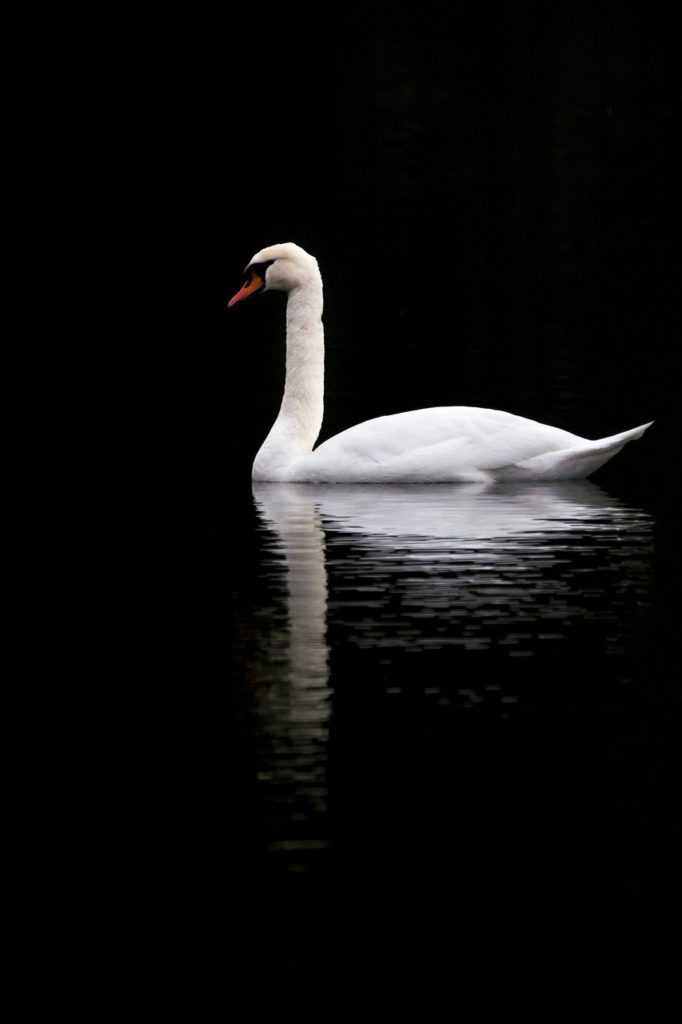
(430,594)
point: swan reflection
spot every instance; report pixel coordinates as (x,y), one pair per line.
(457,512)
(463,572)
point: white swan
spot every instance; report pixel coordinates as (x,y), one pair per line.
(447,444)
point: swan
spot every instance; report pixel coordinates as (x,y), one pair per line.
(448,444)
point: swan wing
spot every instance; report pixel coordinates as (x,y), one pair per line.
(572,463)
(458,443)
(432,445)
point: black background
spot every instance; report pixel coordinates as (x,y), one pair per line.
(492,196)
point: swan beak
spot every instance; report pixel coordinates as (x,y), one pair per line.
(254,284)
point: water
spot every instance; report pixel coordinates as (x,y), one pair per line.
(428,597)
(451,692)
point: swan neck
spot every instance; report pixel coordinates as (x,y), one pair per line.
(304,381)
(300,416)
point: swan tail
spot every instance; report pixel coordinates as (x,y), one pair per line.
(571,463)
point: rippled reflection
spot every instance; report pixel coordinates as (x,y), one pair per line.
(438,590)
(295,703)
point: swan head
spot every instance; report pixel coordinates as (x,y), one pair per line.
(281,268)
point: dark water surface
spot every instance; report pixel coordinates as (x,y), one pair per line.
(432,602)
(454,689)
(379,745)
(369,745)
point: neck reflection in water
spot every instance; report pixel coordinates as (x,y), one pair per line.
(489,580)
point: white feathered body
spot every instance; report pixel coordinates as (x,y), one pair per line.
(451,444)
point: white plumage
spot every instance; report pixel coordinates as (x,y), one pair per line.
(440,445)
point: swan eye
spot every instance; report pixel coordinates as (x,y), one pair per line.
(259,268)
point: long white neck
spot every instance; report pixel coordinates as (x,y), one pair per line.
(300,416)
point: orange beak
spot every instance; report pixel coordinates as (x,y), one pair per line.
(254,284)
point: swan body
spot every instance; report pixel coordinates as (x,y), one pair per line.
(439,445)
